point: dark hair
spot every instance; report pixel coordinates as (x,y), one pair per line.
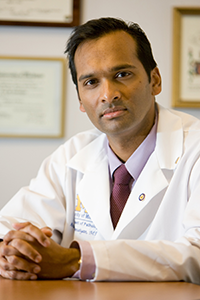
(97,28)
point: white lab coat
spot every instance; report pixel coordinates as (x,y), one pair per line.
(156,239)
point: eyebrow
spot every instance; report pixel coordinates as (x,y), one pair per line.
(114,69)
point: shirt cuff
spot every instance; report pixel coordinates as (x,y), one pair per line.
(87,266)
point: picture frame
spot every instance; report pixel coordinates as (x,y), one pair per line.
(32,92)
(186,57)
(51,13)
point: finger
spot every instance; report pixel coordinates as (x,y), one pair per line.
(18,275)
(21,264)
(10,261)
(7,250)
(5,265)
(26,249)
(19,235)
(19,226)
(47,231)
(34,232)
(13,263)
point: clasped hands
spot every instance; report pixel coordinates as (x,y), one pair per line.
(29,253)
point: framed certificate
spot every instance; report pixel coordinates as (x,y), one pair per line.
(54,13)
(186,57)
(32,97)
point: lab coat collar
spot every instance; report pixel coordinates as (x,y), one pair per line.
(89,157)
(169,136)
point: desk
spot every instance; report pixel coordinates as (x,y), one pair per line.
(77,290)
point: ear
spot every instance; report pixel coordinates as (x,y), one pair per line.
(81,107)
(156,81)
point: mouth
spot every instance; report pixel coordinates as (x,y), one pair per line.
(111,113)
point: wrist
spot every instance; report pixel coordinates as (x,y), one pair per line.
(72,261)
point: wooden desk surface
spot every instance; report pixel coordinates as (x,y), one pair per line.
(67,289)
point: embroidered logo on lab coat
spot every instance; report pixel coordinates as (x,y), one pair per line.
(83,224)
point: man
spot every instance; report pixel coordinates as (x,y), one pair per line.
(72,202)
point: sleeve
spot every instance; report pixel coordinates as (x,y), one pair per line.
(129,260)
(87,267)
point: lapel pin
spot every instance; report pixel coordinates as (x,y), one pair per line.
(142,197)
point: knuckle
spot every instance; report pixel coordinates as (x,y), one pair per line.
(5,265)
(9,274)
(16,243)
(4,273)
(13,260)
(29,255)
(28,276)
(22,275)
(3,250)
(12,274)
(15,274)
(6,250)
(30,226)
(9,235)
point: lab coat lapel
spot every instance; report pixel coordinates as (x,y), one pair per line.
(145,193)
(93,189)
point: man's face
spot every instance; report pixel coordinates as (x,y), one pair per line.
(113,86)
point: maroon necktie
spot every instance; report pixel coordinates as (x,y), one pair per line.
(120,193)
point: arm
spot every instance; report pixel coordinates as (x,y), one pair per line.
(43,198)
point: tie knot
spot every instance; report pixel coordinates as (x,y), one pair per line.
(121,175)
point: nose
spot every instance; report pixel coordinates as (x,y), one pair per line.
(109,91)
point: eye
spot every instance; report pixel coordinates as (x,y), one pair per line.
(90,82)
(123,74)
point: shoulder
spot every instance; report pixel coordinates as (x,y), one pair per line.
(76,143)
(178,129)
(82,139)
(187,121)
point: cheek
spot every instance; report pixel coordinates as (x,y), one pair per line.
(88,101)
(82,100)
(139,99)
(88,106)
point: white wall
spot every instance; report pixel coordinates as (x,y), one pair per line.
(21,158)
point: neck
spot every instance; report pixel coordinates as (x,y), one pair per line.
(125,145)
(124,148)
